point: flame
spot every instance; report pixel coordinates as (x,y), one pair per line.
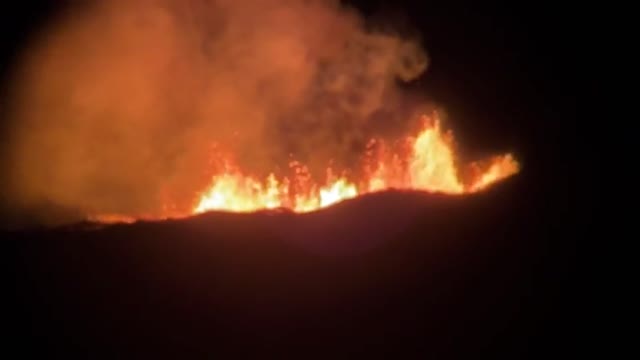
(430,166)
(426,162)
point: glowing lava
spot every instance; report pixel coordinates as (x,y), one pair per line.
(429,165)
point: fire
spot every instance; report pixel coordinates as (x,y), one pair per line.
(429,165)
(426,162)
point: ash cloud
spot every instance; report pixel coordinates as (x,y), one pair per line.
(116,105)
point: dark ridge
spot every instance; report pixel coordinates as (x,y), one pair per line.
(384,274)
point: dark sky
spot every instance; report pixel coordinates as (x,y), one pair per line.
(509,74)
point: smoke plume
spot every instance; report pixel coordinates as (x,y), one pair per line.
(116,105)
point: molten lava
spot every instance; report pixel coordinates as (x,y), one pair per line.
(428,165)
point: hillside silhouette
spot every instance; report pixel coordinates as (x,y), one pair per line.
(381,275)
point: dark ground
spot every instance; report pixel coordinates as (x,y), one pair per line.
(386,274)
(493,275)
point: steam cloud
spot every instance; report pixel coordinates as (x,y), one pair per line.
(116,105)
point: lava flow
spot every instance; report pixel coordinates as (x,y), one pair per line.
(427,164)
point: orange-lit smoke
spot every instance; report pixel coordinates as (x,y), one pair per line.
(116,105)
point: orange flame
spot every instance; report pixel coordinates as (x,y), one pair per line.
(430,166)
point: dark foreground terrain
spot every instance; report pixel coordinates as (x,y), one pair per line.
(384,275)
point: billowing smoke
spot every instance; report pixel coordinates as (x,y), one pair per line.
(115,106)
